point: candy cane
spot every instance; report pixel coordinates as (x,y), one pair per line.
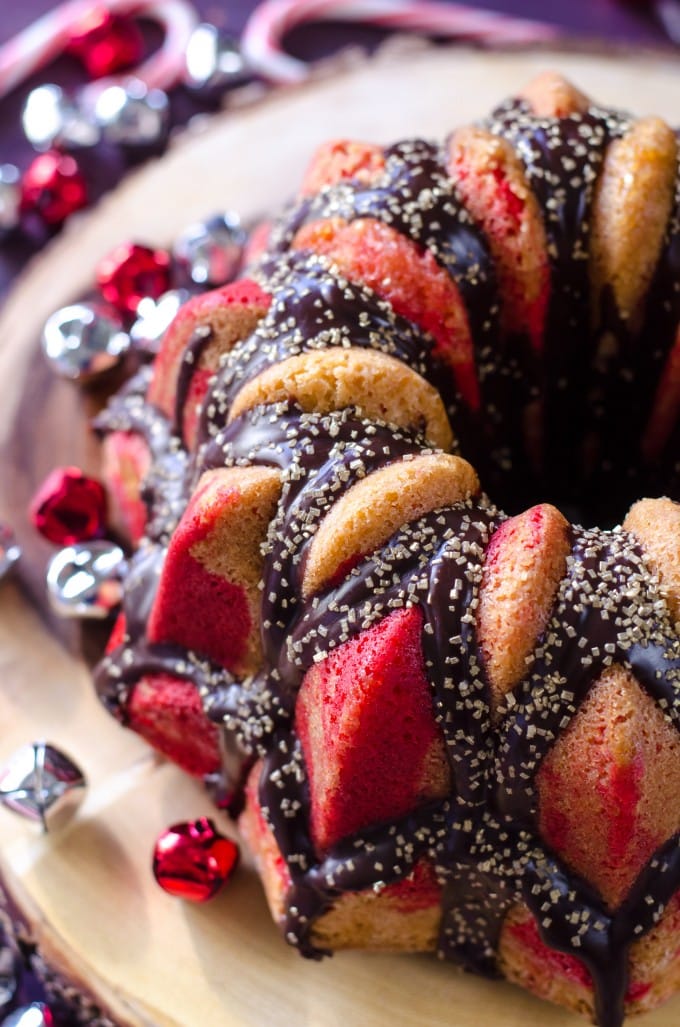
(47,37)
(668,14)
(271,20)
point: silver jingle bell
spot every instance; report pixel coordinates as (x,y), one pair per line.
(84,340)
(42,783)
(132,115)
(9,550)
(210,253)
(35,1015)
(10,197)
(50,118)
(85,580)
(154,318)
(10,972)
(213,60)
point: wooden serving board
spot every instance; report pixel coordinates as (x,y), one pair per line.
(88,890)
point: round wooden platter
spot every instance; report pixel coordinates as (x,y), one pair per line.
(88,890)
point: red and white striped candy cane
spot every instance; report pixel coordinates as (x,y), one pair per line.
(47,37)
(271,20)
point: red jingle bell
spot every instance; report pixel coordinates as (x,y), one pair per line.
(53,187)
(193,860)
(69,507)
(105,43)
(131,272)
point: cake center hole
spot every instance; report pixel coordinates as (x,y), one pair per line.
(601,502)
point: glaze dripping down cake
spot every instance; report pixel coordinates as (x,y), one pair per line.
(442,727)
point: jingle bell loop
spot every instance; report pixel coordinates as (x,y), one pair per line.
(10,971)
(35,1015)
(51,119)
(210,252)
(53,188)
(42,783)
(154,318)
(10,551)
(213,61)
(131,272)
(131,114)
(84,340)
(193,861)
(85,580)
(10,197)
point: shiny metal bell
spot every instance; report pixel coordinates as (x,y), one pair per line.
(10,197)
(132,115)
(210,252)
(84,340)
(10,972)
(154,319)
(213,60)
(35,1015)
(85,580)
(50,118)
(42,783)
(10,551)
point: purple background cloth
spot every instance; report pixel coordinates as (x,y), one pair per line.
(619,21)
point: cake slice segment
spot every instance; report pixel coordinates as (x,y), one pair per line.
(408,276)
(491,182)
(208,598)
(206,327)
(626,756)
(378,385)
(402,916)
(655,523)
(339,160)
(369,699)
(523,566)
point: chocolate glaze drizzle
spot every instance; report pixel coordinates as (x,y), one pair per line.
(191,356)
(483,840)
(416,197)
(165,486)
(315,307)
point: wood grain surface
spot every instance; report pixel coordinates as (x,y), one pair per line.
(89,890)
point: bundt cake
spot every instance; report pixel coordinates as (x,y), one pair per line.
(442,727)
